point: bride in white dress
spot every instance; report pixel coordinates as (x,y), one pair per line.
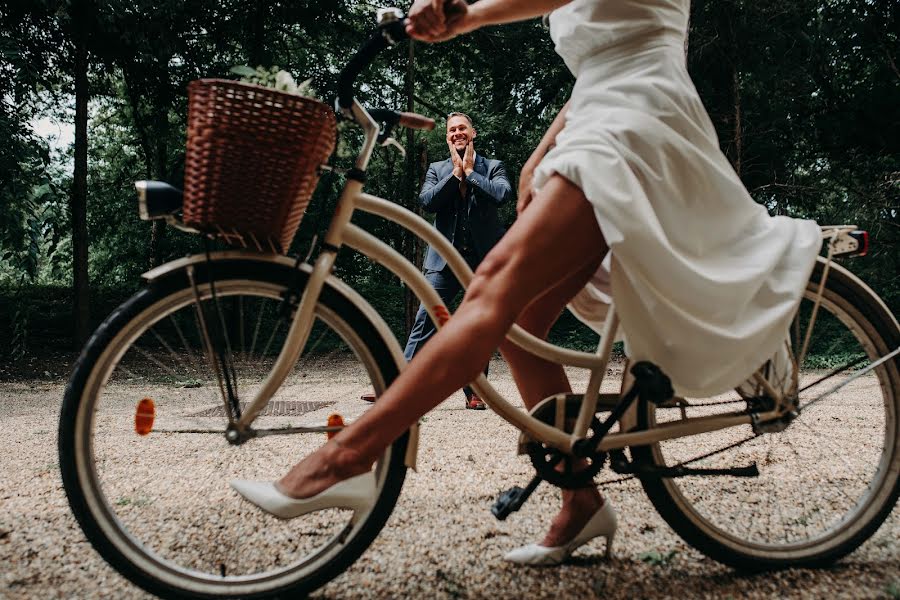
(627,196)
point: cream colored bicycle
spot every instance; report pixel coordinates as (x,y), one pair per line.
(229,348)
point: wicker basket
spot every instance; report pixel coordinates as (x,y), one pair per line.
(252,161)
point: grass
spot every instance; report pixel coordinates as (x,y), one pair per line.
(831,361)
(127,501)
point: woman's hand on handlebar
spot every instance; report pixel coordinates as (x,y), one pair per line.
(438,20)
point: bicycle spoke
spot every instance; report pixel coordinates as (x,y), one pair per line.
(833,453)
(321,359)
(833,373)
(275,329)
(307,352)
(150,356)
(129,373)
(799,461)
(228,358)
(853,377)
(256,329)
(778,507)
(210,354)
(185,345)
(176,359)
(771,483)
(240,303)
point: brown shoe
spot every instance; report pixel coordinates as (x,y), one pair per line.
(370,397)
(475,403)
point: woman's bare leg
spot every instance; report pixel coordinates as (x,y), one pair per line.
(554,238)
(537,379)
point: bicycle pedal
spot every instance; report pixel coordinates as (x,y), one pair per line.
(507,503)
(512,499)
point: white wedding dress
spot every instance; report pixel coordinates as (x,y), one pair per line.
(704,280)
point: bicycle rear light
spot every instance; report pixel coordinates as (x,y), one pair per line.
(851,243)
(863,238)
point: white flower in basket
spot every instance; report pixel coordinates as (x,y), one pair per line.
(274,78)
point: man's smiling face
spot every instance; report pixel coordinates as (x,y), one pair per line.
(459,132)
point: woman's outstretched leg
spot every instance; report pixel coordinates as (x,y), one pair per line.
(556,237)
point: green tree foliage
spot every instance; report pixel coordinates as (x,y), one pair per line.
(805,96)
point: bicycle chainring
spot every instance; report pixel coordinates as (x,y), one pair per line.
(554,466)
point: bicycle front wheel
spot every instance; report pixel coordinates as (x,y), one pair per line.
(828,481)
(158,507)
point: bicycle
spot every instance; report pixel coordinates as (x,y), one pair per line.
(165,518)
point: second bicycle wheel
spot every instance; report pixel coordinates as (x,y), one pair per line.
(828,480)
(159,507)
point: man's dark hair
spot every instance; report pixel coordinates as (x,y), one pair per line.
(459,114)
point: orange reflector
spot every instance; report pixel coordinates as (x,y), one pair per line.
(144,416)
(334,420)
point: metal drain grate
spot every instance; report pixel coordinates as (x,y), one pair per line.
(278,408)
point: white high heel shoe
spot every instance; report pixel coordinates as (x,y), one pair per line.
(603,523)
(357,493)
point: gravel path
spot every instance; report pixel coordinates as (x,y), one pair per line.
(441,539)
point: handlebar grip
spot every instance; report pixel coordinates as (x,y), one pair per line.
(416,121)
(387,34)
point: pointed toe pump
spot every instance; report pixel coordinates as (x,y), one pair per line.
(603,523)
(357,493)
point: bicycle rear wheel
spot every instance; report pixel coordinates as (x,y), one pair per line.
(158,507)
(828,481)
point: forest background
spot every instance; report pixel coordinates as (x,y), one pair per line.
(804,94)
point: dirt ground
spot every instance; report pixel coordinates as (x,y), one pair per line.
(441,540)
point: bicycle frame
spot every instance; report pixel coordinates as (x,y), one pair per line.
(342,232)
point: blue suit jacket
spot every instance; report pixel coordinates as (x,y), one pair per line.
(488,188)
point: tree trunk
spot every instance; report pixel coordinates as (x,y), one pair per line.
(738,134)
(153,134)
(78,198)
(161,135)
(257,49)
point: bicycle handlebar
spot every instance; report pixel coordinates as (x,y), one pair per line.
(416,121)
(387,34)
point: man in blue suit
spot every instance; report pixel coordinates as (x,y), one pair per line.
(463,192)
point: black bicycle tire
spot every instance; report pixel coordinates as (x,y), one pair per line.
(881,324)
(224,270)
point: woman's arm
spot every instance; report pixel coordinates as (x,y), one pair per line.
(439,20)
(495,12)
(547,142)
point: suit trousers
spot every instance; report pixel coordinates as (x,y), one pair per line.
(448,287)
